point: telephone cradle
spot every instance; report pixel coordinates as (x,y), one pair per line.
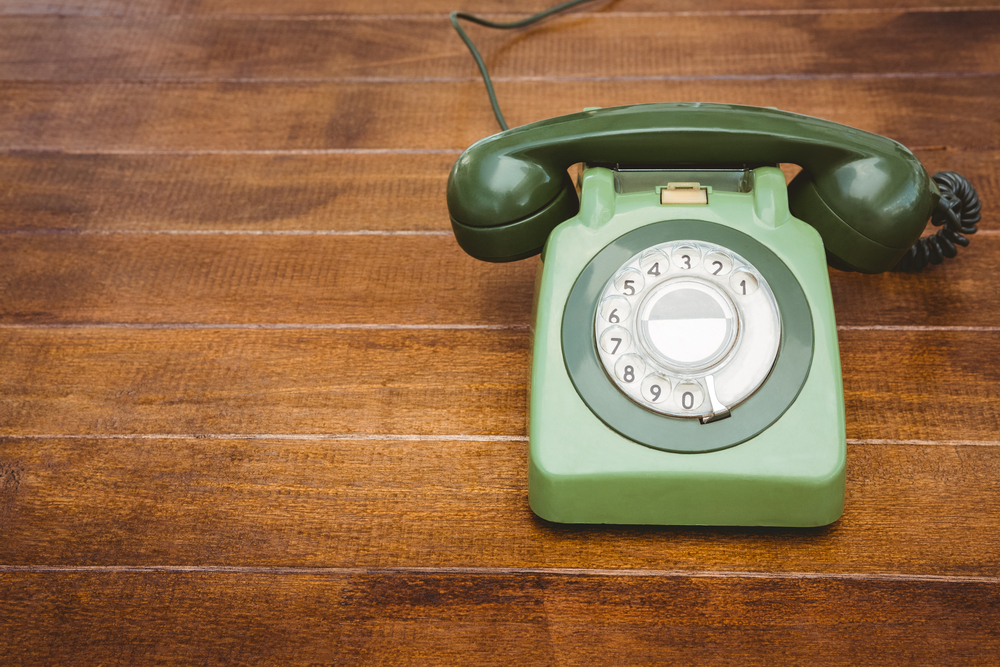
(685,367)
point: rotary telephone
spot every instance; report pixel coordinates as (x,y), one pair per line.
(685,367)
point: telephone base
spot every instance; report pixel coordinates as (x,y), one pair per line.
(787,470)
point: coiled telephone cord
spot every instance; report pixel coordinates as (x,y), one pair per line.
(958,210)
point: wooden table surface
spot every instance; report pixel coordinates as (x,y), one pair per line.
(257,407)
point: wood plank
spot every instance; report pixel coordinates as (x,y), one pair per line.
(499,8)
(106,117)
(211,279)
(492,619)
(899,385)
(58,191)
(424,280)
(925,385)
(425,503)
(225,279)
(154,48)
(391,192)
(303,381)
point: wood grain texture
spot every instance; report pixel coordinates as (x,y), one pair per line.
(366,279)
(155,48)
(302,381)
(426,503)
(349,8)
(910,385)
(190,117)
(386,192)
(493,619)
(395,191)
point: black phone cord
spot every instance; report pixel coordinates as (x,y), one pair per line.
(958,210)
(455,16)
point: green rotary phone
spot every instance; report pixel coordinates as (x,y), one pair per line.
(685,366)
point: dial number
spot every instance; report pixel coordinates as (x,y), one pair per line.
(629,368)
(615,340)
(629,282)
(743,283)
(615,309)
(655,388)
(686,257)
(689,395)
(718,264)
(654,264)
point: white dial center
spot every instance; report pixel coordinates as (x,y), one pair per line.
(688,324)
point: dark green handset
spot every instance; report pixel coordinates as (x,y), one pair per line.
(685,366)
(867,195)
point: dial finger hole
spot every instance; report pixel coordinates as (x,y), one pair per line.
(629,282)
(655,388)
(686,257)
(744,283)
(629,368)
(654,264)
(689,395)
(718,264)
(615,340)
(615,310)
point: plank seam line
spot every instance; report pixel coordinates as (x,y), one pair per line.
(487,571)
(224,232)
(256,232)
(274,326)
(747,77)
(226,151)
(855,76)
(924,443)
(32,150)
(293,326)
(271,436)
(913,327)
(412,438)
(499,15)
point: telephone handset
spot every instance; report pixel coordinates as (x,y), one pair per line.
(685,366)
(867,195)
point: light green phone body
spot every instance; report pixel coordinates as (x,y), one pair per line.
(786,468)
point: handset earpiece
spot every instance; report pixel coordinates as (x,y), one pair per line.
(867,195)
(503,206)
(869,210)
